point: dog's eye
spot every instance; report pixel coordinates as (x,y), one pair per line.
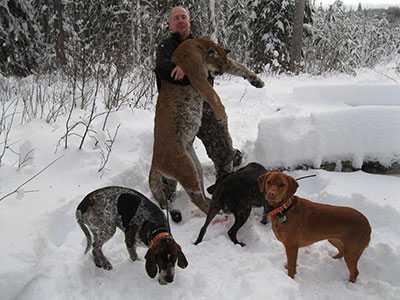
(172,258)
(268,182)
(281,185)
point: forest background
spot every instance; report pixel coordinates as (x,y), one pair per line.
(59,55)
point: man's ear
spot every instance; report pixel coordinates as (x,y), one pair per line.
(292,186)
(261,181)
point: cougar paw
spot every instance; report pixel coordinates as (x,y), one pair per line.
(255,81)
(176,216)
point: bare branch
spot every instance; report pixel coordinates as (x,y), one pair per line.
(30,179)
(109,145)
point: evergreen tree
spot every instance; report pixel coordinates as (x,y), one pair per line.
(345,40)
(271,26)
(21,43)
(236,32)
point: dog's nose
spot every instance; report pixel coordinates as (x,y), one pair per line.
(271,194)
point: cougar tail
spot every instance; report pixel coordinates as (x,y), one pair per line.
(85,229)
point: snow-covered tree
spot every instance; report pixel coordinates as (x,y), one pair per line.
(21,39)
(344,40)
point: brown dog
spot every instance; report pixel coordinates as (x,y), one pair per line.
(178,119)
(298,222)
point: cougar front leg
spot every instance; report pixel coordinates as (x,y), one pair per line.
(237,69)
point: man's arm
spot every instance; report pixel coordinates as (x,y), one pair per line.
(164,65)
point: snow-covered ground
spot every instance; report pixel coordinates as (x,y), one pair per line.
(292,121)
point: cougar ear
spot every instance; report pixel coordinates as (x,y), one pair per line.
(261,181)
(212,52)
(292,186)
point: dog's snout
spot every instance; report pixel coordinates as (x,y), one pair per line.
(271,194)
(167,276)
(163,280)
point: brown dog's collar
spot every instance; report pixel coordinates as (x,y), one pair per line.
(159,236)
(281,208)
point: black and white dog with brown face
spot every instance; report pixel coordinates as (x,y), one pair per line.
(103,210)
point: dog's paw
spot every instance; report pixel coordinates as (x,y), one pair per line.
(197,242)
(103,264)
(264,220)
(134,257)
(176,216)
(338,256)
(237,158)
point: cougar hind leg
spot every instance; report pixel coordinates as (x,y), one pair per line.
(186,173)
(158,191)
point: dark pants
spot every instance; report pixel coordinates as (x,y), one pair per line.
(216,139)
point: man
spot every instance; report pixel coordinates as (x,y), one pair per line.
(213,133)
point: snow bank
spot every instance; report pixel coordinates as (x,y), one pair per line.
(332,131)
(42,246)
(355,95)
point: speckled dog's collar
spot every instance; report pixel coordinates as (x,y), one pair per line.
(161,235)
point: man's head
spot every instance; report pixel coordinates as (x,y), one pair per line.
(179,22)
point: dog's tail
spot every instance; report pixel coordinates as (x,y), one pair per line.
(85,229)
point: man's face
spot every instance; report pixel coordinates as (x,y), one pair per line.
(179,22)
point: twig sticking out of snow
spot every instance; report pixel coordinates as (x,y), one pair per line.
(30,179)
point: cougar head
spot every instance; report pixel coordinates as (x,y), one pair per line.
(216,60)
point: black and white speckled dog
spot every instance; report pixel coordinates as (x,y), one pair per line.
(143,223)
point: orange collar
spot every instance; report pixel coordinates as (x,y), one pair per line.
(281,208)
(159,236)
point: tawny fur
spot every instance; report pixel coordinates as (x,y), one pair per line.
(178,119)
(309,222)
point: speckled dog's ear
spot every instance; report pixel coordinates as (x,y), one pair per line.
(151,267)
(261,181)
(182,261)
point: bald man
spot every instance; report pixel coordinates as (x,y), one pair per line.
(213,133)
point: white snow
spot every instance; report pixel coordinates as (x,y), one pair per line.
(292,121)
